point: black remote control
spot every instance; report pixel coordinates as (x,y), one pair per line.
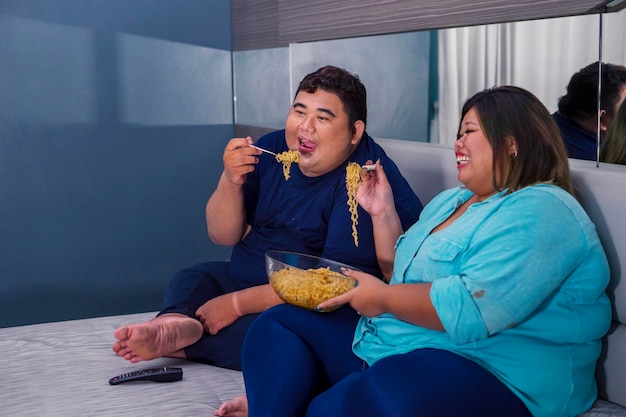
(164,374)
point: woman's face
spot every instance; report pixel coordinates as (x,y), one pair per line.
(317,126)
(474,157)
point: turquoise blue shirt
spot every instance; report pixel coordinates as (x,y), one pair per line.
(518,282)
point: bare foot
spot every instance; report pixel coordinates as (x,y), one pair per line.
(237,407)
(164,335)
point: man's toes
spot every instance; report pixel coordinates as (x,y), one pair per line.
(124,352)
(122,333)
(118,347)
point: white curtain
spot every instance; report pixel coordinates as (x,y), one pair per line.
(539,56)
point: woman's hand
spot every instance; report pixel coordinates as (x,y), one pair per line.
(374,193)
(366,298)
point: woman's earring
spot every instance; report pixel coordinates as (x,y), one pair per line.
(515,154)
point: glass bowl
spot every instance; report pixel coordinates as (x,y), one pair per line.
(306,280)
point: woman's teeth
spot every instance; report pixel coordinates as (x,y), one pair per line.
(462,159)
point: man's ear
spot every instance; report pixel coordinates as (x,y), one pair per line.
(357,131)
(604,121)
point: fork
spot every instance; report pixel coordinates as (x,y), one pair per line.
(366,168)
(263,150)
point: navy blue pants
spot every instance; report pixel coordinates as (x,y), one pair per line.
(187,291)
(300,363)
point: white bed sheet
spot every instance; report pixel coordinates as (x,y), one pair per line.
(63,369)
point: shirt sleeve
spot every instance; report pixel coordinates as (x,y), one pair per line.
(515,260)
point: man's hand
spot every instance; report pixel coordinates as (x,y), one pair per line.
(218,313)
(239,160)
(225,211)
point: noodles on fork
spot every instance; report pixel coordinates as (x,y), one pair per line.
(287,158)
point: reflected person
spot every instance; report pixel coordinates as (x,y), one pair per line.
(577,115)
(209,306)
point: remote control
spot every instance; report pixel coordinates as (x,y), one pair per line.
(164,374)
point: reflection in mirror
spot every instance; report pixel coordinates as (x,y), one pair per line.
(613,148)
(614,37)
(514,53)
(614,51)
(517,53)
(455,63)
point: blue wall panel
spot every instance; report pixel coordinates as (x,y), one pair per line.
(113,118)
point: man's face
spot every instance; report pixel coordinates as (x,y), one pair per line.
(620,100)
(606,119)
(317,126)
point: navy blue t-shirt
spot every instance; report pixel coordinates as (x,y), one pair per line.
(310,214)
(579,143)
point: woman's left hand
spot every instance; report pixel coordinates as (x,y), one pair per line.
(367,297)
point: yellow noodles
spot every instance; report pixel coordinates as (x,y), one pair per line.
(353,176)
(286,158)
(309,288)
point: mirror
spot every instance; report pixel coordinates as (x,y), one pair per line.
(613,38)
(417,81)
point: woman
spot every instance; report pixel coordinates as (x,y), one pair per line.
(496,305)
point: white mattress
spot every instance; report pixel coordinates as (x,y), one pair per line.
(63,369)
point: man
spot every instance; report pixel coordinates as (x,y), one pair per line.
(209,306)
(577,116)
